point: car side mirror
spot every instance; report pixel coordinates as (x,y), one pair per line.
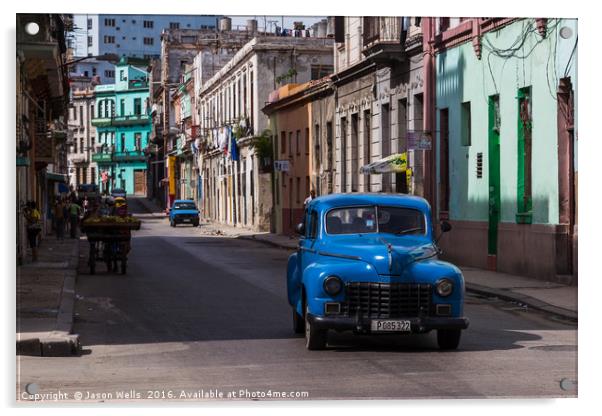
(445,226)
(300,228)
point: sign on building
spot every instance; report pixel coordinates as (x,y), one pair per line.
(419,141)
(281,165)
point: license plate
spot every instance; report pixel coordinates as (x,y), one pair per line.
(391,326)
(186,220)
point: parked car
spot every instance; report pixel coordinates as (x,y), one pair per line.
(183,211)
(368,263)
(118,193)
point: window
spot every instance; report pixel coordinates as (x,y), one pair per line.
(466,124)
(92,110)
(138,141)
(149,41)
(298,142)
(444,160)
(109,73)
(401,179)
(306,142)
(81,144)
(137,106)
(86,73)
(386,144)
(89,24)
(90,42)
(109,39)
(81,115)
(122,107)
(313,225)
(122,75)
(110,22)
(283,142)
(74,113)
(290,144)
(133,22)
(75,146)
(320,71)
(343,148)
(93,71)
(149,24)
(524,155)
(393,220)
(123,142)
(174,25)
(354,153)
(298,190)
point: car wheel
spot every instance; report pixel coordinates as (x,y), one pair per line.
(314,338)
(298,323)
(448,339)
(195,224)
(172,223)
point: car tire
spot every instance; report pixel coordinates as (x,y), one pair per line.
(172,223)
(298,323)
(448,339)
(314,339)
(195,224)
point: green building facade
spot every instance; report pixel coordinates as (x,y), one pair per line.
(123,128)
(504,140)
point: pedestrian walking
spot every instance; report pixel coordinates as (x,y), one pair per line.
(34,227)
(59,219)
(312,195)
(74,213)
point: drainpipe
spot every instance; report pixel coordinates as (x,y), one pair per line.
(429,172)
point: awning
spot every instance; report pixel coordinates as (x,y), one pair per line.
(57,177)
(395,163)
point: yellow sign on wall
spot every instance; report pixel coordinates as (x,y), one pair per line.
(171,173)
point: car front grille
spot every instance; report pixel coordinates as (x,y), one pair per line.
(387,300)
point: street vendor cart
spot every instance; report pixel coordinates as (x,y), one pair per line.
(109,238)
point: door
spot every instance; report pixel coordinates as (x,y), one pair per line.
(139,182)
(494,180)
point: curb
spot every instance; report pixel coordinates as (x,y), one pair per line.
(59,343)
(530,301)
(266,242)
(503,294)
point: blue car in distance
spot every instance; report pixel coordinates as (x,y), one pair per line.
(183,211)
(368,263)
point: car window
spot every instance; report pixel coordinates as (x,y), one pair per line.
(313,224)
(351,220)
(184,205)
(398,220)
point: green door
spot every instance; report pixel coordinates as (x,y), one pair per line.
(494,173)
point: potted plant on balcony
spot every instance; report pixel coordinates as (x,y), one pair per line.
(262,145)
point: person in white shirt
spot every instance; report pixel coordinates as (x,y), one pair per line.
(312,195)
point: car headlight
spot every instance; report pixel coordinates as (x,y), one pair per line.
(333,285)
(444,287)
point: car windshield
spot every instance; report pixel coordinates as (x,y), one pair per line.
(362,220)
(184,205)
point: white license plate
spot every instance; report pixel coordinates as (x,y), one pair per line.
(186,220)
(381,325)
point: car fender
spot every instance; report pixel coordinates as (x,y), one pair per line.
(315,273)
(431,270)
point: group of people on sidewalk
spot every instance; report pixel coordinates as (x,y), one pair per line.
(66,213)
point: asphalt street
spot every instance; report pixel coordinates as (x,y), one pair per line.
(197,315)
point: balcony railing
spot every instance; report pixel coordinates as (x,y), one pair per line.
(102,157)
(130,120)
(130,156)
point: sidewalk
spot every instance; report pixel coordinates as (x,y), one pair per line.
(554,298)
(45,299)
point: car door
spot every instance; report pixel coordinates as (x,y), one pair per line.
(307,242)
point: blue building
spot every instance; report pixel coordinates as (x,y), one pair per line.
(132,36)
(123,128)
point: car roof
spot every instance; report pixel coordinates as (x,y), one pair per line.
(349,199)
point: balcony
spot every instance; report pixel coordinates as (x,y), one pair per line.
(102,157)
(382,39)
(131,156)
(115,121)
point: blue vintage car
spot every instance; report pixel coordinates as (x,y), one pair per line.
(184,211)
(368,263)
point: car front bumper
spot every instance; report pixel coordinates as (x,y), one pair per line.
(362,325)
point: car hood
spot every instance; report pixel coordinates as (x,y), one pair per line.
(185,211)
(389,255)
